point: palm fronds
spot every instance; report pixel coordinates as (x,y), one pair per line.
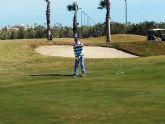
(102,4)
(72,7)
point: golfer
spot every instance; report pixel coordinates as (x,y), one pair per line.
(79,57)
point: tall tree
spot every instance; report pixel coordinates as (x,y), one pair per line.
(49,35)
(105,4)
(74,7)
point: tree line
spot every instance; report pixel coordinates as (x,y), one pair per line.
(59,31)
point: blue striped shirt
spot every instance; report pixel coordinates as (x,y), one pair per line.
(78,49)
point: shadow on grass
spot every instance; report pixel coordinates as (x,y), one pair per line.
(65,75)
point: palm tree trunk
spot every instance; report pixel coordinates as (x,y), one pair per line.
(75,27)
(108,28)
(49,35)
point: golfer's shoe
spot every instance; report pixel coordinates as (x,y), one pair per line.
(83,75)
(74,75)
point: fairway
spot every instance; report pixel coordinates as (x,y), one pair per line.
(37,89)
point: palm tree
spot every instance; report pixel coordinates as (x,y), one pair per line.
(105,4)
(74,7)
(49,35)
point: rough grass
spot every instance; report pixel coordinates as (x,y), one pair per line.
(37,89)
(144,48)
(100,41)
(127,38)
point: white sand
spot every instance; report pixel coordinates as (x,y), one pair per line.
(90,52)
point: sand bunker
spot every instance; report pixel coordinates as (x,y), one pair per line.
(90,52)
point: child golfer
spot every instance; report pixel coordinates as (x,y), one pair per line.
(79,57)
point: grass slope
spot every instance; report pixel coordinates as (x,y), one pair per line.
(37,89)
(144,48)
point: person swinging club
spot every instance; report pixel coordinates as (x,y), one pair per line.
(78,48)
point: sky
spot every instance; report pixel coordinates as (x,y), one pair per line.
(15,12)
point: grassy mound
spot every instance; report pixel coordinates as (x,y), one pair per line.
(145,48)
(133,44)
(127,38)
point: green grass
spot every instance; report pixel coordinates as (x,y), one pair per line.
(115,91)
